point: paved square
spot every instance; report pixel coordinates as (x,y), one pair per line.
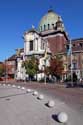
(20,108)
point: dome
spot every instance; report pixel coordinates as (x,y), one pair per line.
(48,21)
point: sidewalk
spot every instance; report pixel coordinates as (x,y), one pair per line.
(20,108)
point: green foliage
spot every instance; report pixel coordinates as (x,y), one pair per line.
(68,79)
(73,78)
(58,57)
(31,66)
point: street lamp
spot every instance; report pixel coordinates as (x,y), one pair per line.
(45,71)
(71,63)
(69,53)
(46,57)
(5,71)
(81,62)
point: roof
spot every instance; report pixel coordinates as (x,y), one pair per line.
(77,39)
(77,45)
(32,30)
(49,18)
(13,57)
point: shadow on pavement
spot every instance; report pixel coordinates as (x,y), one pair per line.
(55,117)
(12,95)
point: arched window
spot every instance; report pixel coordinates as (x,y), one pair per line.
(41,28)
(48,26)
(73,45)
(80,44)
(52,25)
(44,27)
(31,45)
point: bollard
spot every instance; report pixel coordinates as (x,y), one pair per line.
(51,103)
(23,88)
(28,90)
(8,84)
(41,97)
(62,117)
(13,86)
(18,87)
(4,84)
(35,93)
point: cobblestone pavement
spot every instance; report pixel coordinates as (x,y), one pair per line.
(14,104)
(71,96)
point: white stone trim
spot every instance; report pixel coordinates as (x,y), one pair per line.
(58,34)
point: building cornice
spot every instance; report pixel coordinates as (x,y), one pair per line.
(55,33)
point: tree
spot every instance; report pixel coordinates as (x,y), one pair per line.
(31,66)
(2,69)
(56,67)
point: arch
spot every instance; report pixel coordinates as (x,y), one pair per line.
(41,28)
(48,26)
(44,27)
(52,25)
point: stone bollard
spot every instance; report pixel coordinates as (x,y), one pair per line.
(28,90)
(35,93)
(13,86)
(51,103)
(41,97)
(8,84)
(4,84)
(62,117)
(23,88)
(18,87)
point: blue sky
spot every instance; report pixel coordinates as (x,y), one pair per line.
(17,16)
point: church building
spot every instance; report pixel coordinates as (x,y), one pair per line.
(52,38)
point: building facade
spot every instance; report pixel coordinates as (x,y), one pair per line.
(51,37)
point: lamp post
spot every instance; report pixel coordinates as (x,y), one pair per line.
(45,71)
(71,63)
(81,70)
(69,53)
(45,59)
(5,71)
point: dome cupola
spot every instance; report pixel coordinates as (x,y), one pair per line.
(59,24)
(48,21)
